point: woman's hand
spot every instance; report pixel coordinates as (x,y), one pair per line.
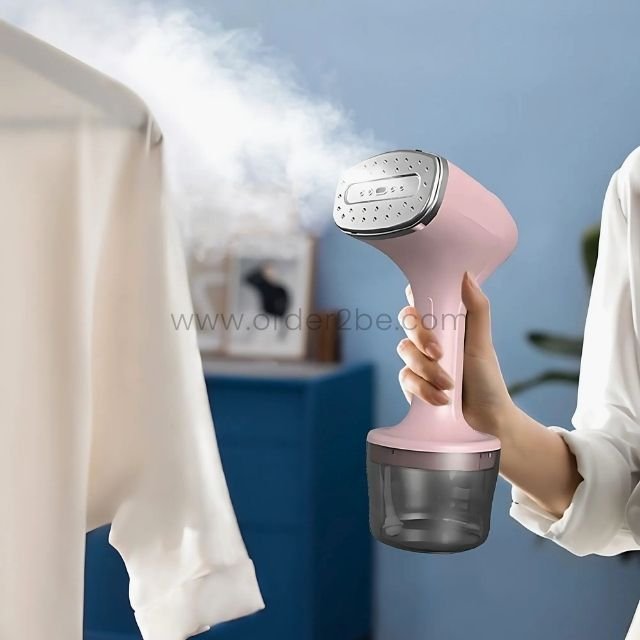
(485,400)
(534,458)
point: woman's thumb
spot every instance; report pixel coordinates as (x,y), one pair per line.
(477,338)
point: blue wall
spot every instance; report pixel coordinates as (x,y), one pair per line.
(540,102)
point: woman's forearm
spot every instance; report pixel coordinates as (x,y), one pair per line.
(537,460)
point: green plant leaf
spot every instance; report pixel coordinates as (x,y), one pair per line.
(555,343)
(590,240)
(543,378)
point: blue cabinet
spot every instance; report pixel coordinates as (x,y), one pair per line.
(292,442)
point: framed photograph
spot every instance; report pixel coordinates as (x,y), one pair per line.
(268,296)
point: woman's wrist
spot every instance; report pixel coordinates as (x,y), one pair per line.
(504,421)
(536,459)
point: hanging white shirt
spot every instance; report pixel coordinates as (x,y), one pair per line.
(104,416)
(604,516)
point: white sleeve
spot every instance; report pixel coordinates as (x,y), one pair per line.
(606,440)
(155,470)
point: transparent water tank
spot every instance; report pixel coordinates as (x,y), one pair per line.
(430,502)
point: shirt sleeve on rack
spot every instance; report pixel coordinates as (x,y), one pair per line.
(604,515)
(156,473)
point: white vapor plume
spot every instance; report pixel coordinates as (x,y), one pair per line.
(246,147)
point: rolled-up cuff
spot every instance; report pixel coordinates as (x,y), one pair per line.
(197,605)
(593,522)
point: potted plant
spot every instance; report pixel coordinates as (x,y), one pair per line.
(559,344)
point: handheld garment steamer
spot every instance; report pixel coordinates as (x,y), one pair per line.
(431,477)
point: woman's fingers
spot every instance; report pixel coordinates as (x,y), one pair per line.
(420,351)
(422,366)
(407,395)
(420,334)
(412,384)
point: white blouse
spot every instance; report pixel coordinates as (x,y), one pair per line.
(604,516)
(104,416)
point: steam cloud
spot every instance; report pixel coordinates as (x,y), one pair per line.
(246,147)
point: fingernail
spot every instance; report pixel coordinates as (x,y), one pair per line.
(472,280)
(408,293)
(441,397)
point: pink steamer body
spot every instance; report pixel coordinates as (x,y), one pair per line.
(472,231)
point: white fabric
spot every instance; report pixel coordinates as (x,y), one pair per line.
(103,409)
(604,516)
